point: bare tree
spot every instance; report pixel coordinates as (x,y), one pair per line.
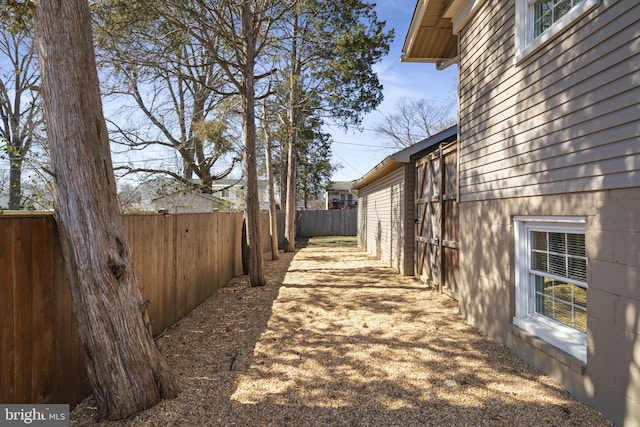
(21,123)
(180,102)
(413,120)
(126,370)
(4,184)
(235,35)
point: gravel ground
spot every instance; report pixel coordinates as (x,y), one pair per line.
(337,339)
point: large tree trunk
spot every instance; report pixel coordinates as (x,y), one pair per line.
(273,213)
(290,214)
(125,368)
(290,211)
(252,212)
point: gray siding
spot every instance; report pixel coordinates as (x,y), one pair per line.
(564,119)
(381,218)
(334,222)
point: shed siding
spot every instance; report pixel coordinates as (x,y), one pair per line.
(565,119)
(381,213)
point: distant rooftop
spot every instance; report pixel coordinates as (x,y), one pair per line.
(339,185)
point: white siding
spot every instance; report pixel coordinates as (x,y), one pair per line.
(565,119)
(381,217)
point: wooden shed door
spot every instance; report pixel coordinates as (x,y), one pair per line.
(437,219)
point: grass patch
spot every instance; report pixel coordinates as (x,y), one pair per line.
(337,241)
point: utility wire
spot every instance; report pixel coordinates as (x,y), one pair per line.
(347,163)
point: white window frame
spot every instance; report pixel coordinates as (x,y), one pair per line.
(564,337)
(526,44)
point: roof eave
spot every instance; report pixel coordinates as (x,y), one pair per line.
(383,168)
(414,27)
(430,37)
(403,157)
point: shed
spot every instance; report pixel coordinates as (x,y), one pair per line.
(387,209)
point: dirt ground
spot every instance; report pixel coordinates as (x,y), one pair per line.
(338,339)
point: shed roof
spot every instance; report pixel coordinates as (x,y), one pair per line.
(431,36)
(402,157)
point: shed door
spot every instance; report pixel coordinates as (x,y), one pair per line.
(437,219)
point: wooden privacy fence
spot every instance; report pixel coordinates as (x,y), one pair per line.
(334,222)
(180,260)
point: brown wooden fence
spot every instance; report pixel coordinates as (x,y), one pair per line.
(180,260)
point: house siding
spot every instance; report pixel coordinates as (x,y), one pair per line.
(556,134)
(613,249)
(381,219)
(564,119)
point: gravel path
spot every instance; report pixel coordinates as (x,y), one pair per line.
(337,339)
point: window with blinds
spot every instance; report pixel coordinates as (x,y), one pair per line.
(550,269)
(558,268)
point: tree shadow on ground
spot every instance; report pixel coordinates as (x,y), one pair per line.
(335,338)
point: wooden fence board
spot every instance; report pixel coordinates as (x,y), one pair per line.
(224,248)
(169,278)
(188,256)
(70,383)
(233,250)
(202,240)
(180,260)
(23,306)
(42,272)
(181,268)
(215,251)
(209,280)
(7,326)
(155,280)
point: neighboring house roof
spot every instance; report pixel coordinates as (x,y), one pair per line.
(339,186)
(215,201)
(190,194)
(226,182)
(402,157)
(431,36)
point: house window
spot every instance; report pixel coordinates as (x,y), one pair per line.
(224,193)
(551,281)
(539,21)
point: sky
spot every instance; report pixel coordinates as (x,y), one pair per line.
(358,152)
